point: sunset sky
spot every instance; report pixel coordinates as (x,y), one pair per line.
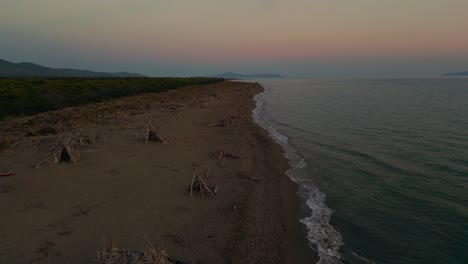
(298,38)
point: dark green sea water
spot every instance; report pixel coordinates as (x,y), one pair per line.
(383,165)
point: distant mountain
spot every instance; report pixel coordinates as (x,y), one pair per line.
(27,69)
(232,75)
(465,73)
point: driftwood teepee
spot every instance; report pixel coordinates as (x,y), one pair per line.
(199,185)
(66,148)
(151,134)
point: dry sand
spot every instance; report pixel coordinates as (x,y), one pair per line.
(123,189)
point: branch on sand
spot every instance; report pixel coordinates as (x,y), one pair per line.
(228,122)
(220,155)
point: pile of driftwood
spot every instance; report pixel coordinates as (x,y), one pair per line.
(111,254)
(66,148)
(199,185)
(220,155)
(151,133)
(228,122)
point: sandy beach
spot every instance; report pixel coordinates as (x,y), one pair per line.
(124,190)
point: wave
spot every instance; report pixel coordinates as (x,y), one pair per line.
(323,237)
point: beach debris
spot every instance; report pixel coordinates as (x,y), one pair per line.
(220,155)
(151,133)
(66,148)
(255,179)
(111,254)
(199,185)
(228,122)
(5,172)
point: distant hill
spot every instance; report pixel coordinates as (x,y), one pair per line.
(465,73)
(27,69)
(232,75)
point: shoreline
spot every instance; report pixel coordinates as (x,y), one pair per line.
(291,206)
(58,214)
(294,207)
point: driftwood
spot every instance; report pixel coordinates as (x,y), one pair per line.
(151,134)
(199,185)
(220,155)
(66,148)
(111,254)
(228,122)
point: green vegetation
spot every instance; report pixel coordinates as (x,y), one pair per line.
(26,96)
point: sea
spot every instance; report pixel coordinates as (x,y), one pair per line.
(382,165)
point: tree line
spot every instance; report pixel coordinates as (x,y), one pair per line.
(26,96)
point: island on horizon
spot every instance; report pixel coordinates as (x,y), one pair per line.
(233,75)
(455,74)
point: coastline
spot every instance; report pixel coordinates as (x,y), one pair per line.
(292,240)
(123,188)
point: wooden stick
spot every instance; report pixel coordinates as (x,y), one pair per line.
(193,181)
(232,156)
(215,124)
(201,189)
(17,143)
(147,240)
(206,187)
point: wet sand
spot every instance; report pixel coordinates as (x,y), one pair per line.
(122,189)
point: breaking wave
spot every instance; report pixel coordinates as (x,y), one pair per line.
(322,236)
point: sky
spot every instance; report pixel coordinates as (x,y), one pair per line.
(297,38)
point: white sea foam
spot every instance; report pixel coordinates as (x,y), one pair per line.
(322,236)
